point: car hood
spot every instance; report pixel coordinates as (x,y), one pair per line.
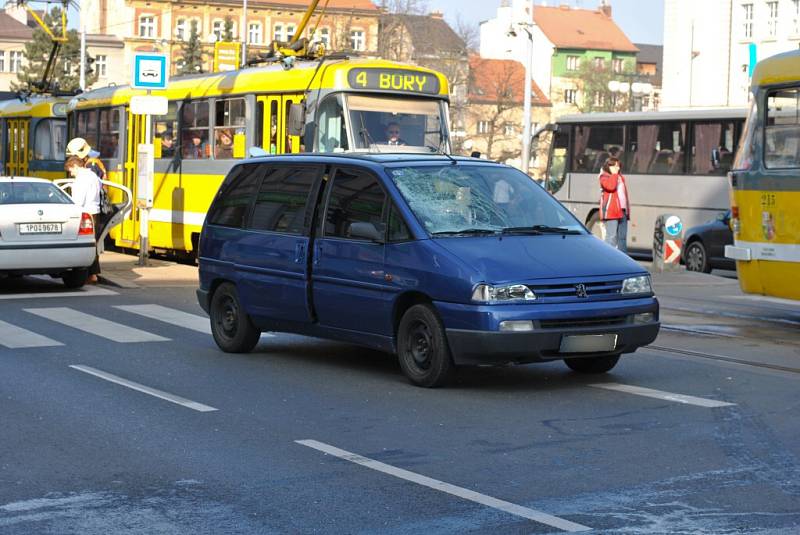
(504,259)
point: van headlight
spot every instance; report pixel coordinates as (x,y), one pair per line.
(637,285)
(486,293)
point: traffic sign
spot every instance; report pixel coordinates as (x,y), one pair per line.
(672,251)
(150,70)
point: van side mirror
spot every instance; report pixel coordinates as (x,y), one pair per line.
(296,119)
(366,231)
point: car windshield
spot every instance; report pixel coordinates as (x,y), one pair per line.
(20,192)
(481,199)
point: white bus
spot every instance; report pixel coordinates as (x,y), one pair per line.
(675,162)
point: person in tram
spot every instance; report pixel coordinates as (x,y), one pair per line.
(393,134)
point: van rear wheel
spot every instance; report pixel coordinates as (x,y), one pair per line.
(422,347)
(232,328)
(592,364)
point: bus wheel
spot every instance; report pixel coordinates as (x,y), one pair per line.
(422,347)
(232,328)
(596,227)
(696,258)
(592,364)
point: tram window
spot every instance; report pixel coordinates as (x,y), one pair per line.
(258,139)
(782,133)
(712,148)
(87,126)
(42,141)
(395,121)
(109,133)
(273,127)
(230,120)
(232,204)
(194,130)
(331,133)
(594,144)
(164,128)
(59,132)
(281,202)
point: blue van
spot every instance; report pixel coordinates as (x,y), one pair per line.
(443,261)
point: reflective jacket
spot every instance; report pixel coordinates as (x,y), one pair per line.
(609,197)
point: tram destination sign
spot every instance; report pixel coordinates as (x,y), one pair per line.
(401,80)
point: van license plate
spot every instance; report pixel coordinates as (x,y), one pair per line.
(588,343)
(40,228)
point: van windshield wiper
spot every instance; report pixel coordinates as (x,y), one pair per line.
(539,229)
(473,231)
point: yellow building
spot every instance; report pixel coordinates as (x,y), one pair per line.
(164,25)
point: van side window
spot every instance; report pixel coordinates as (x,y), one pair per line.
(281,201)
(232,204)
(398,230)
(356,197)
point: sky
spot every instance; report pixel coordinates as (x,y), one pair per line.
(641,20)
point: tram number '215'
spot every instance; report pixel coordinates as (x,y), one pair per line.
(394,80)
(767,200)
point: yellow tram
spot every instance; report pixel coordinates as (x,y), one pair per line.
(765,183)
(33,136)
(334,104)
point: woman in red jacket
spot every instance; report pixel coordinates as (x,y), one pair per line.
(615,208)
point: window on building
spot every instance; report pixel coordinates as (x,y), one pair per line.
(772,21)
(2,60)
(483,127)
(747,25)
(290,30)
(15,61)
(181,32)
(194,130)
(509,129)
(218,29)
(229,121)
(254,33)
(573,63)
(599,63)
(356,197)
(599,98)
(101,65)
(147,26)
(323,35)
(277,33)
(570,96)
(618,65)
(357,41)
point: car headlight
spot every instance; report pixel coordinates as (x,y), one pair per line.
(486,293)
(637,285)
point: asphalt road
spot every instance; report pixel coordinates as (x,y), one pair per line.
(143,426)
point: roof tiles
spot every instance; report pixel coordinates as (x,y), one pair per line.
(582,29)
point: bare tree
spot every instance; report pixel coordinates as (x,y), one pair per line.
(468,32)
(593,79)
(496,91)
(404,7)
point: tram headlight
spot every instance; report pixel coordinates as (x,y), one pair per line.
(637,285)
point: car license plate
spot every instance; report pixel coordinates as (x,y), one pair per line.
(40,228)
(588,343)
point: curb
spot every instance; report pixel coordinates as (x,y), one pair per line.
(117,282)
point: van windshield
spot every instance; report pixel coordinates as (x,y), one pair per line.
(476,199)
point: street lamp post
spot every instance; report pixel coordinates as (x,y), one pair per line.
(527,27)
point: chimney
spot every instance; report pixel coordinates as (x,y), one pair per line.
(436,15)
(605,8)
(17,13)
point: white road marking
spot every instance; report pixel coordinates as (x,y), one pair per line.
(667,396)
(116,332)
(14,337)
(173,317)
(145,389)
(89,291)
(461,492)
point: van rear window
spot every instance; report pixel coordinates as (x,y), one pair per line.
(233,202)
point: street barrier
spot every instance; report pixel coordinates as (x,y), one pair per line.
(667,243)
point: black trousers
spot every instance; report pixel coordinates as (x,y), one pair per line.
(97,219)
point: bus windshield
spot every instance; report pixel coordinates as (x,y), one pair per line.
(388,124)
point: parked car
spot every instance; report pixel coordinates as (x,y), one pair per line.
(704,245)
(443,261)
(43,231)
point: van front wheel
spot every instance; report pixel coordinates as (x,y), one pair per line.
(422,347)
(232,328)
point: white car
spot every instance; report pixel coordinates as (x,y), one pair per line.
(43,231)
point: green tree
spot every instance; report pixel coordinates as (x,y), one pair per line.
(192,58)
(594,84)
(227,30)
(65,73)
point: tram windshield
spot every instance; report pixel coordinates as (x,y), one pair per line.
(383,124)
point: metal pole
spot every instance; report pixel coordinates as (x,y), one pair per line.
(245,33)
(144,211)
(526,108)
(82,79)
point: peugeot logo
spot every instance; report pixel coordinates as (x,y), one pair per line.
(580,290)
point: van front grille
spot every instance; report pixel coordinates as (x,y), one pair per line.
(571,290)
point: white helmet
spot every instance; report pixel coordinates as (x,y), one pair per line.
(78,147)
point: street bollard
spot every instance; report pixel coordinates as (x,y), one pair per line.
(667,243)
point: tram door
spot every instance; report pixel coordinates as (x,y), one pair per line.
(274,110)
(17,147)
(129,229)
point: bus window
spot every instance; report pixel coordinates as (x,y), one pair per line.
(165,127)
(712,148)
(331,133)
(782,133)
(194,131)
(42,143)
(109,133)
(556,174)
(229,120)
(594,144)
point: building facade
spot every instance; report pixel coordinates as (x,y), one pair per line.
(165,25)
(710,47)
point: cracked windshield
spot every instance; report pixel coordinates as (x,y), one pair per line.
(471,199)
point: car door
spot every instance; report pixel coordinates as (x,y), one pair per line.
(350,289)
(272,252)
